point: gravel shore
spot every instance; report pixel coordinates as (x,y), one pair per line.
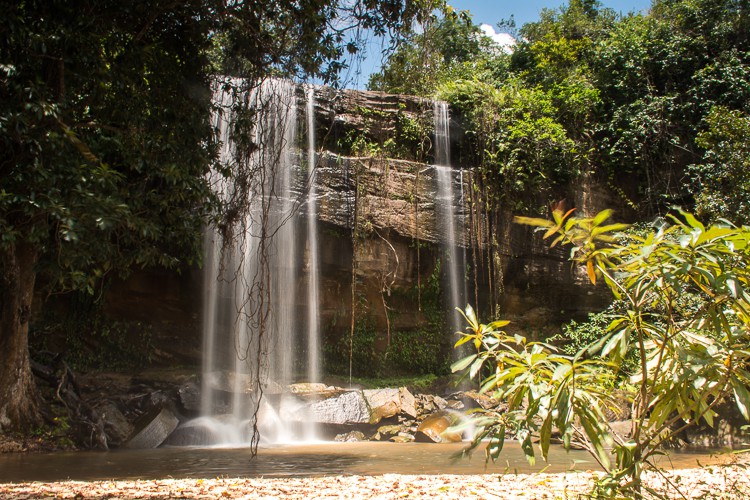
(714,482)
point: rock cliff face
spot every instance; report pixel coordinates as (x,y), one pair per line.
(381,239)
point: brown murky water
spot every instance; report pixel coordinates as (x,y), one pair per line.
(302,460)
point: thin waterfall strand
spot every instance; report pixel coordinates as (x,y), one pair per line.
(446,211)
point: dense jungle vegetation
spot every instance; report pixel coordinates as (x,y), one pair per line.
(657,105)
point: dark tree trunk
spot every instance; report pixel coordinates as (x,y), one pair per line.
(19,402)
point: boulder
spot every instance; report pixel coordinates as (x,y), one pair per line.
(307,387)
(428,403)
(312,390)
(383,403)
(350,437)
(152,429)
(402,437)
(190,397)
(622,428)
(116,426)
(471,400)
(434,429)
(343,409)
(192,435)
(408,402)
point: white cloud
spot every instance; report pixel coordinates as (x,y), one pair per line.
(504,40)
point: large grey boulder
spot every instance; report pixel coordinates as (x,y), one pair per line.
(345,409)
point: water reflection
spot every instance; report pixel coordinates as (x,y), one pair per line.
(317,459)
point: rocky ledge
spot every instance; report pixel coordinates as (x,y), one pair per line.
(337,414)
(147,410)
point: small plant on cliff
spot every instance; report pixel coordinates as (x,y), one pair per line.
(689,358)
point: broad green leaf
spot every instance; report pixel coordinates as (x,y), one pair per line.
(475,367)
(498,324)
(742,396)
(545,434)
(561,371)
(595,436)
(692,221)
(528,448)
(464,339)
(495,446)
(462,364)
(602,216)
(613,343)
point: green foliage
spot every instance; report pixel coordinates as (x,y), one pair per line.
(523,150)
(416,384)
(587,90)
(361,347)
(418,352)
(399,135)
(543,388)
(579,335)
(106,145)
(690,356)
(88,340)
(723,180)
(446,48)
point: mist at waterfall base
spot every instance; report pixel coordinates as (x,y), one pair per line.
(261,319)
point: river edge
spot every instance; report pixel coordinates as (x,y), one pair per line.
(729,481)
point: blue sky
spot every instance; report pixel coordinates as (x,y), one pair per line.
(524,11)
(490,12)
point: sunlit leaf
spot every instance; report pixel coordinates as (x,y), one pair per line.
(462,364)
(602,216)
(742,397)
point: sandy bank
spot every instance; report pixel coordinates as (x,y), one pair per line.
(716,482)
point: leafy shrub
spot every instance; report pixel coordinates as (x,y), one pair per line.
(691,353)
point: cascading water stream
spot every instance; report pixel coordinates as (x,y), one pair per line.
(313,301)
(251,300)
(446,213)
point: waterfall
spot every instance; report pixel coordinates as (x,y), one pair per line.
(313,301)
(250,309)
(445,210)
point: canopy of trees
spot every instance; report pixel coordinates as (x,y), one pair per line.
(654,104)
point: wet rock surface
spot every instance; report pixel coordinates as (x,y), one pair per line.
(436,428)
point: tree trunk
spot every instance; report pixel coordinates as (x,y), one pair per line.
(19,401)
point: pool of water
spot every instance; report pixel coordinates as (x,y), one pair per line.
(301,460)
